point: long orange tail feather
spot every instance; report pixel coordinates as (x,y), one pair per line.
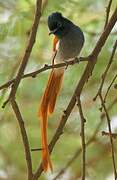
(47,107)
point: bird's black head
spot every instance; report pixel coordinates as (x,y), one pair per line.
(58,25)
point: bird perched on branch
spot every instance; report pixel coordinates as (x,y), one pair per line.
(67,44)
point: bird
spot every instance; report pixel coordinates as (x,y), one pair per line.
(67,44)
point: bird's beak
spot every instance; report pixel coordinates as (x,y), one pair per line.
(55,30)
(51,32)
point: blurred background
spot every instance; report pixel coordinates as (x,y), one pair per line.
(15,24)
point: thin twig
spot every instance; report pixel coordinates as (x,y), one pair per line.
(114,135)
(109,87)
(84,78)
(82,137)
(111,139)
(109,107)
(106,71)
(36,149)
(93,161)
(107,13)
(45,68)
(24,137)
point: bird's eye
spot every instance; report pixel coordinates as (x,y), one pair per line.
(59,24)
(56,25)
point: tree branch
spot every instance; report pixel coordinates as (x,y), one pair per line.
(109,107)
(107,12)
(82,137)
(113,80)
(114,135)
(106,70)
(44,68)
(24,137)
(110,132)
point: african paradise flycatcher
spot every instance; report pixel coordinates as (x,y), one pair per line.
(68,42)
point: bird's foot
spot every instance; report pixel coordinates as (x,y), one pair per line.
(66,64)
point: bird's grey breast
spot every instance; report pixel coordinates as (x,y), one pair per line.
(71,44)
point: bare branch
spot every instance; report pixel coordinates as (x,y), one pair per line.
(110,132)
(109,87)
(45,68)
(106,70)
(114,135)
(109,107)
(93,161)
(24,137)
(82,137)
(107,13)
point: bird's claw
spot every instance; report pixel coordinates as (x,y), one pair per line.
(66,64)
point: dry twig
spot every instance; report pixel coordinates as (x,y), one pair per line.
(44,68)
(105,73)
(24,137)
(110,132)
(108,12)
(109,107)
(109,87)
(114,135)
(82,137)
